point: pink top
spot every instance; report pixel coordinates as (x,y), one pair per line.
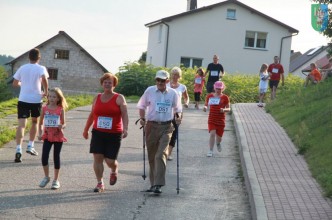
(199,83)
(52,134)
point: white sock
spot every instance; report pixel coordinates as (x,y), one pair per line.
(18,148)
(31,143)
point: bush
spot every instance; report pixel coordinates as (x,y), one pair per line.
(5,93)
(134,78)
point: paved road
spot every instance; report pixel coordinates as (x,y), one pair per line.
(210,188)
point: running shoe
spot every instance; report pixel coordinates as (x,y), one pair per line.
(209,154)
(31,150)
(55,184)
(219,147)
(44,182)
(18,157)
(113,179)
(99,188)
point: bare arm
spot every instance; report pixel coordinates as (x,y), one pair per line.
(41,122)
(45,85)
(16,83)
(121,101)
(89,121)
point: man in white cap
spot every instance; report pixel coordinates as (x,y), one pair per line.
(157,108)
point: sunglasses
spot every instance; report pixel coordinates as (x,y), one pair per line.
(161,80)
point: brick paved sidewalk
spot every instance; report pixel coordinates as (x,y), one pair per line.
(279,182)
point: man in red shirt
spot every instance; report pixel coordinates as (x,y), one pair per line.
(276,71)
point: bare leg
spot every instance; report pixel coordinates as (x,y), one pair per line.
(218,139)
(34,129)
(98,166)
(56,174)
(46,171)
(212,139)
(113,164)
(22,122)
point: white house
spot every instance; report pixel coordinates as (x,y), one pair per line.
(69,65)
(243,37)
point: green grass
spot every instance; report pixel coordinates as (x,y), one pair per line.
(306,115)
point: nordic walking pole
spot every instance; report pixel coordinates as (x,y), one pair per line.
(177,158)
(142,127)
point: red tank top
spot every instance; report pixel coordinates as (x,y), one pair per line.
(107,115)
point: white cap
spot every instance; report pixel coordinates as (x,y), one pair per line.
(162,74)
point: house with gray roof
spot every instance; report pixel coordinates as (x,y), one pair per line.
(300,66)
(69,65)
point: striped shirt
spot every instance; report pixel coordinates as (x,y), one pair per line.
(216,103)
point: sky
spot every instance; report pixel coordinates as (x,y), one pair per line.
(114,32)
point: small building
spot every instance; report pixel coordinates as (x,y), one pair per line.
(301,64)
(69,65)
(243,37)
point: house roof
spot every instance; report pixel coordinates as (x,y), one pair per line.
(306,57)
(68,37)
(254,11)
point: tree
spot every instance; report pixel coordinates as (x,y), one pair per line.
(328,30)
(142,59)
(5,93)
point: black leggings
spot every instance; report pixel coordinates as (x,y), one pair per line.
(174,134)
(56,153)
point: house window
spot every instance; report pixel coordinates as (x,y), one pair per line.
(191,62)
(160,34)
(61,54)
(255,39)
(231,14)
(53,73)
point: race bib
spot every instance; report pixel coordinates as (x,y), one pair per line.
(51,120)
(214,73)
(104,122)
(198,80)
(214,101)
(275,70)
(162,107)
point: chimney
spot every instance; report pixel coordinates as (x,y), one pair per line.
(191,5)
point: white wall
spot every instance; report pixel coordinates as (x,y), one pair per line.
(203,34)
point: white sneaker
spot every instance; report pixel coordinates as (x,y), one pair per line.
(44,182)
(31,150)
(219,147)
(209,154)
(55,184)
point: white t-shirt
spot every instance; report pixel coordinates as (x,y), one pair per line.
(30,76)
(180,90)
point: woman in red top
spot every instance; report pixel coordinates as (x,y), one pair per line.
(219,105)
(109,117)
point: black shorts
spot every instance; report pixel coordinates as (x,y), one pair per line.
(209,87)
(25,110)
(104,143)
(197,96)
(273,83)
